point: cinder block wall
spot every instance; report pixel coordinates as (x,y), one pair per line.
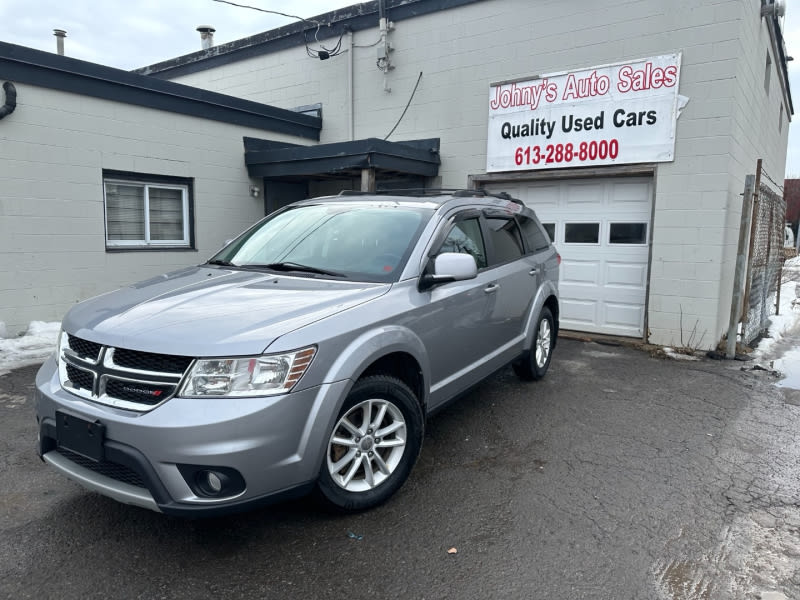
(461,51)
(53,150)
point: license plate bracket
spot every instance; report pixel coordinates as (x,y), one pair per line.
(80,435)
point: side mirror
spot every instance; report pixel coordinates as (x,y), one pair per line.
(448,267)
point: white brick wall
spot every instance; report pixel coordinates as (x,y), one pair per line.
(53,150)
(54,147)
(729,122)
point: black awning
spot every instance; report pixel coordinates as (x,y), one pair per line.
(279,160)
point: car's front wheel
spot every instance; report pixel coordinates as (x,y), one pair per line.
(535,363)
(373,445)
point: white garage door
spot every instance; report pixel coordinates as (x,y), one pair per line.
(601,228)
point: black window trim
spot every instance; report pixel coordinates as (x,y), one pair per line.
(136,177)
(462,214)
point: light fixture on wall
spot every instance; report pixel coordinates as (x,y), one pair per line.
(255,191)
(776,8)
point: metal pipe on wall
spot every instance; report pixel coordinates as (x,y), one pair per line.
(741,266)
(350,99)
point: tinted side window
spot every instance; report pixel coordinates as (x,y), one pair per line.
(535,238)
(506,239)
(465,238)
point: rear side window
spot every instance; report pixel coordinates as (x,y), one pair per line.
(536,240)
(506,239)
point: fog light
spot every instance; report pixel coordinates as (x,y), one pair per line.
(214,482)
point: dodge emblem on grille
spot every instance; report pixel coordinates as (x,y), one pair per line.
(136,390)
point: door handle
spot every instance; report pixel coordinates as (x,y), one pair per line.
(533,271)
(492,287)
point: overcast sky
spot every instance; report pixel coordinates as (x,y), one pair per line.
(133,33)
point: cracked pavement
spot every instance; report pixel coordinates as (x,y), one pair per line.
(617,476)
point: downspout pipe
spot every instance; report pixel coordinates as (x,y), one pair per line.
(350,99)
(11,99)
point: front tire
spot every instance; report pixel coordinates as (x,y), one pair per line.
(534,364)
(373,445)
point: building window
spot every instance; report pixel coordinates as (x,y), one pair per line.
(582,233)
(767,72)
(627,233)
(147,211)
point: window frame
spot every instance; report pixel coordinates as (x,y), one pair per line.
(464,215)
(146,180)
(611,223)
(599,233)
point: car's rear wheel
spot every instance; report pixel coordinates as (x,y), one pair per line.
(535,363)
(373,444)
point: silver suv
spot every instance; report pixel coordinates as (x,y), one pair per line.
(306,353)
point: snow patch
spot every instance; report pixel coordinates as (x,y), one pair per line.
(677,355)
(778,348)
(32,348)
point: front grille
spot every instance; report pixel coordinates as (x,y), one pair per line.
(148,361)
(105,467)
(119,377)
(84,348)
(138,392)
(80,379)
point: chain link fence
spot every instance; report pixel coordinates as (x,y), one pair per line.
(766,262)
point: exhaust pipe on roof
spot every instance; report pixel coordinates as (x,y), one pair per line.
(60,35)
(206,36)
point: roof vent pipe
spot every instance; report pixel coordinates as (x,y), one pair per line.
(60,35)
(206,36)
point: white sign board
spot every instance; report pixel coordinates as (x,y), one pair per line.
(613,114)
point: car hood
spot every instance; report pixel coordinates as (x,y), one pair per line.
(203,311)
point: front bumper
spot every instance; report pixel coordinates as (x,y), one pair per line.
(276,443)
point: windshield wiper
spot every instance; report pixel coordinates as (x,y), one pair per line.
(293,266)
(220,262)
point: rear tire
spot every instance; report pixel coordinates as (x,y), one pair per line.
(373,445)
(534,364)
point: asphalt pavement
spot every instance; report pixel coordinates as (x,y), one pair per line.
(620,475)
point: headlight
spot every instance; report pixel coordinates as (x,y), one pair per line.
(264,375)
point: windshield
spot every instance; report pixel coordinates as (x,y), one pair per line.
(356,242)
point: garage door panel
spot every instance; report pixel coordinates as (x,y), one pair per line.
(583,194)
(580,272)
(638,191)
(581,312)
(624,316)
(545,195)
(625,274)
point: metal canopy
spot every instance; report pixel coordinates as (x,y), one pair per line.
(288,162)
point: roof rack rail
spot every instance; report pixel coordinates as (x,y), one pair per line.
(458,192)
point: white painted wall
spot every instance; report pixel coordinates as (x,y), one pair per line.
(53,150)
(729,122)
